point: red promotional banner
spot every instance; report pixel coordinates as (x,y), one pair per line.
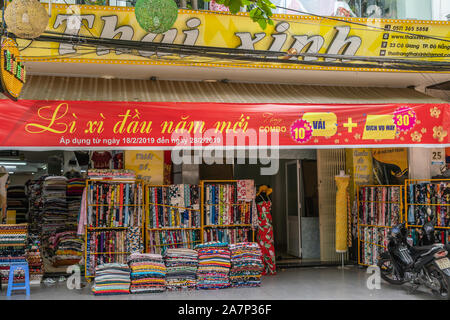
(91,124)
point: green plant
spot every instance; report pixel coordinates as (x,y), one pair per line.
(261,10)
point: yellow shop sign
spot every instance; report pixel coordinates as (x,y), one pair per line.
(306,34)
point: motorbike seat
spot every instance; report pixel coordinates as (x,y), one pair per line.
(423,249)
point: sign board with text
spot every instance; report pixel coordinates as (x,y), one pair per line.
(165,125)
(307,34)
(12,71)
(148,165)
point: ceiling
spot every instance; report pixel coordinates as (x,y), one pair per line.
(256,75)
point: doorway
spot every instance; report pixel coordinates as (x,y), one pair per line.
(294,201)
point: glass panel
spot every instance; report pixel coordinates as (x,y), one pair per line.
(292,189)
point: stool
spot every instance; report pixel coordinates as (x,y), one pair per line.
(18,286)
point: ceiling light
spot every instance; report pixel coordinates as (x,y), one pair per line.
(3,163)
(10,167)
(11,172)
(210,80)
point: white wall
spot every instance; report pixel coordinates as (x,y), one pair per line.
(419,163)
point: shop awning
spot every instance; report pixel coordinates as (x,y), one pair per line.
(98,89)
(85,113)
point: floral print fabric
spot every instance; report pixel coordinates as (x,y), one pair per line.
(264,237)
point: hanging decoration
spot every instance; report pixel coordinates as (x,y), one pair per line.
(26,18)
(156,16)
(12,69)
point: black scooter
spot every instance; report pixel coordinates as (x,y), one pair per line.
(419,265)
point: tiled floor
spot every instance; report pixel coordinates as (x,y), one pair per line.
(303,283)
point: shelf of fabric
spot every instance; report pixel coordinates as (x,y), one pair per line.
(380,207)
(230,235)
(369,225)
(115,220)
(158,241)
(424,196)
(170,228)
(171,244)
(109,253)
(176,205)
(227,226)
(436,227)
(375,244)
(224,206)
(173,217)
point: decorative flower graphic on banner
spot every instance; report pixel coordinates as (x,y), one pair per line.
(357,136)
(435,112)
(416,136)
(424,130)
(404,118)
(301,131)
(439,133)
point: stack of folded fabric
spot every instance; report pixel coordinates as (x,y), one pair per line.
(111,279)
(35,264)
(34,194)
(181,268)
(74,193)
(18,201)
(214,264)
(13,238)
(246,264)
(66,248)
(55,204)
(148,273)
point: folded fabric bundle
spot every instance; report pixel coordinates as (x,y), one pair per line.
(54,211)
(35,264)
(181,267)
(111,279)
(148,273)
(66,248)
(74,194)
(214,264)
(246,264)
(13,239)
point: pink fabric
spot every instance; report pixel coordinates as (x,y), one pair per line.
(245,190)
(82,220)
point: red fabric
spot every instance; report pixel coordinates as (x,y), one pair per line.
(264,237)
(101,159)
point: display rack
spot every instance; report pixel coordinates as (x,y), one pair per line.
(242,206)
(376,217)
(162,235)
(120,221)
(423,194)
